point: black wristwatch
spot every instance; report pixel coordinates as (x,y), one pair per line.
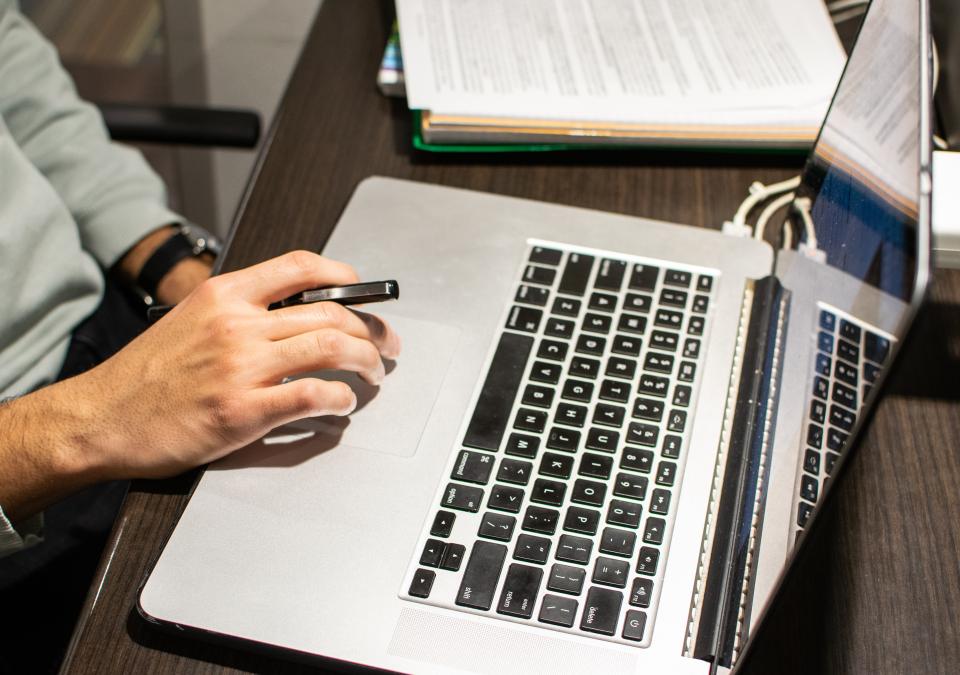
(190,241)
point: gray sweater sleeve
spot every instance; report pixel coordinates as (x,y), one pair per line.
(112,194)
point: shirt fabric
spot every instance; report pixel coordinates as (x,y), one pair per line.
(71,204)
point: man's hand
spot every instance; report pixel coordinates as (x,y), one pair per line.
(205,380)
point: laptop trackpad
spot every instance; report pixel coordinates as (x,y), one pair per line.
(391,418)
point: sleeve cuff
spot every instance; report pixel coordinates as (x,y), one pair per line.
(28,533)
(117,229)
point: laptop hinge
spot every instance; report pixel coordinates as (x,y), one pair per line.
(733,522)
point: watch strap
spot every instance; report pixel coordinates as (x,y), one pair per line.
(161,261)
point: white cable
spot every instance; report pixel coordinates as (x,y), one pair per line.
(787,234)
(840,5)
(758,193)
(940,143)
(808,248)
(767,214)
(840,17)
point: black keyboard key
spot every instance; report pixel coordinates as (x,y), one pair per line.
(559,328)
(614,541)
(823,364)
(481,575)
(695,325)
(535,395)
(648,409)
(548,373)
(505,498)
(825,342)
(828,321)
(473,467)
(576,274)
(633,625)
(545,256)
(610,572)
(642,434)
(532,295)
(603,440)
(595,466)
(627,345)
(704,283)
(514,471)
(522,445)
(591,345)
(820,388)
(584,367)
(666,473)
(700,304)
(870,372)
(548,492)
(691,348)
(534,274)
(631,486)
(453,557)
(671,446)
(809,488)
(497,526)
(530,420)
(422,583)
(553,350)
(677,278)
(581,520)
(556,466)
(602,302)
(620,367)
(658,363)
(803,514)
(644,277)
(839,417)
(673,297)
(574,549)
(566,307)
(609,415)
(815,435)
(845,395)
(637,302)
(626,514)
(637,460)
(630,323)
(829,461)
(640,593)
(876,348)
(836,440)
(462,497)
(596,323)
(811,462)
(612,390)
(681,395)
(520,589)
(610,274)
(570,414)
(647,560)
(500,387)
(601,611)
(532,549)
(653,531)
(846,373)
(660,502)
(588,492)
(687,371)
(432,553)
(566,579)
(558,611)
(443,524)
(526,319)
(665,340)
(848,351)
(653,385)
(539,519)
(563,439)
(667,318)
(818,411)
(850,331)
(577,390)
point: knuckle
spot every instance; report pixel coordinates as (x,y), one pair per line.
(331,313)
(330,343)
(301,260)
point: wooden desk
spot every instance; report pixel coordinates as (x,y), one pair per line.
(878,592)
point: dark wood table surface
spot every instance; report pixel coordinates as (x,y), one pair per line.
(877,590)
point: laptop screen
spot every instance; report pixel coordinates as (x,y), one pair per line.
(860,186)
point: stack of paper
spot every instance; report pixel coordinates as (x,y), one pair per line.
(654,72)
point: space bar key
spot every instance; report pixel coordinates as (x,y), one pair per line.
(492,413)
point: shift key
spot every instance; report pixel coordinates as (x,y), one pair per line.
(480,577)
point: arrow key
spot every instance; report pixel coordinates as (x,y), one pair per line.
(558,611)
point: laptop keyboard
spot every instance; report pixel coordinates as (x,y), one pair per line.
(847,361)
(556,509)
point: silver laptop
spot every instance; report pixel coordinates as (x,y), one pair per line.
(605,434)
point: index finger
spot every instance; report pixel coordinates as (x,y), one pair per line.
(285,275)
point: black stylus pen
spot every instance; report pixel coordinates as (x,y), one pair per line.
(352,294)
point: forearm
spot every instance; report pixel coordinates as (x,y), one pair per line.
(47,449)
(179,281)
